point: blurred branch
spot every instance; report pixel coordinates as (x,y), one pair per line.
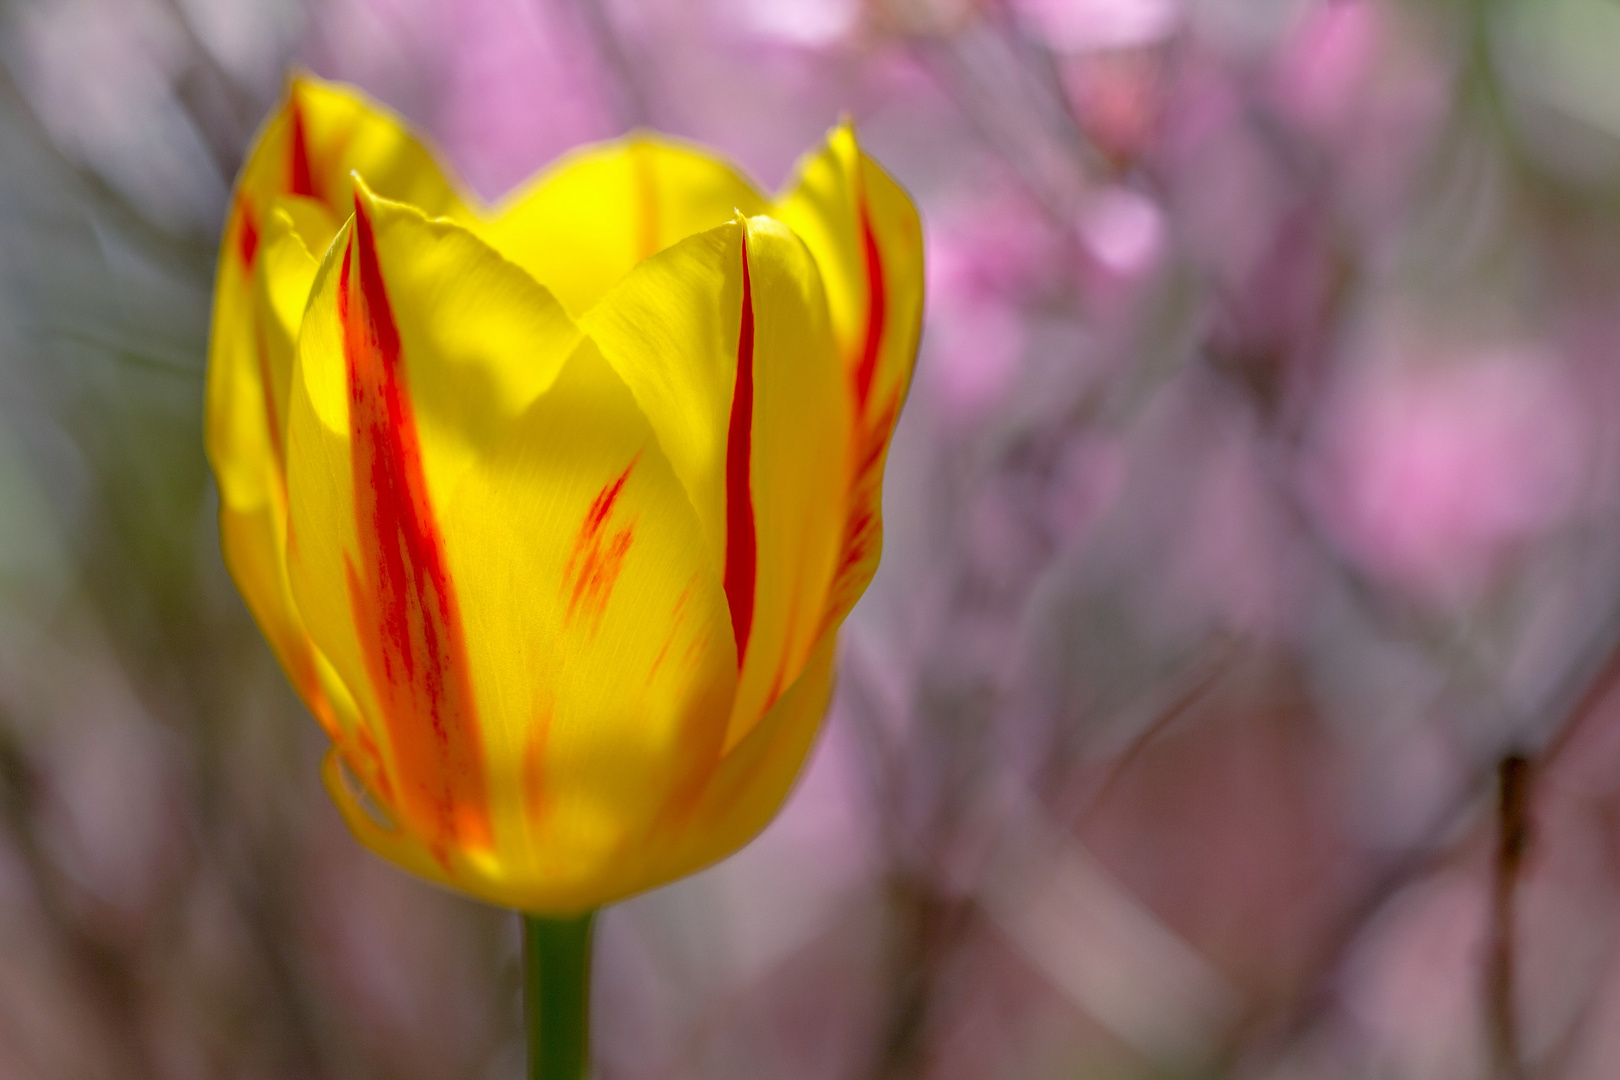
(1587,708)
(1041,60)
(1514,779)
(1595,682)
(1209,669)
(931,928)
(1010,116)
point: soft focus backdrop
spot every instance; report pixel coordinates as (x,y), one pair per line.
(1234,698)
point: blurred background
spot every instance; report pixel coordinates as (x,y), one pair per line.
(1234,699)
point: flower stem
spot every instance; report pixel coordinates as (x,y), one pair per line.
(557,995)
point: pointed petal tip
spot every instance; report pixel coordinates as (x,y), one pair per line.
(843,137)
(302,77)
(377,205)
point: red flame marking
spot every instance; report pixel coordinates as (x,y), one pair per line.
(598,557)
(247,236)
(301,181)
(876,312)
(741,543)
(406,612)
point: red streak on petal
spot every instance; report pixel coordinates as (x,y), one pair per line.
(876,312)
(863,527)
(406,613)
(598,557)
(602,505)
(247,236)
(677,620)
(247,239)
(741,552)
(874,422)
(301,181)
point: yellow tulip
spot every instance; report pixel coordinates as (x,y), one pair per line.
(552,510)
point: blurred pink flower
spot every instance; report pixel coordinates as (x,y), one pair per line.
(1077,26)
(1123,230)
(504,86)
(1118,98)
(987,259)
(521,86)
(976,354)
(1361,77)
(1432,477)
(1325,65)
(806,23)
(996,246)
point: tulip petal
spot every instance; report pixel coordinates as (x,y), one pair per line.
(584,223)
(799,455)
(240,428)
(747,789)
(418,347)
(299,166)
(732,361)
(324,133)
(601,647)
(281,213)
(249,372)
(286,271)
(867,240)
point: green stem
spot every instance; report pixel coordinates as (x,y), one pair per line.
(557,995)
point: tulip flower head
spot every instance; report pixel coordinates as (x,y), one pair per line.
(552,510)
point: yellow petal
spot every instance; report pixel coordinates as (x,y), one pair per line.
(748,788)
(249,367)
(251,543)
(282,215)
(299,165)
(470,319)
(437,344)
(599,639)
(867,241)
(253,511)
(733,363)
(240,427)
(285,272)
(584,223)
(322,134)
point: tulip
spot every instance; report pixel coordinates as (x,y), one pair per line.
(552,510)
